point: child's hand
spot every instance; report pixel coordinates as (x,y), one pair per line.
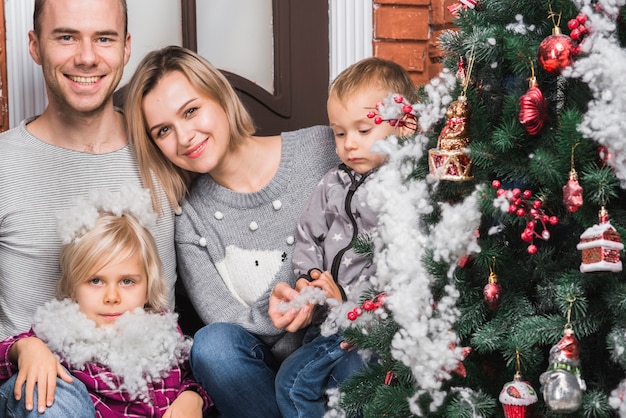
(293,319)
(187,405)
(36,365)
(325,282)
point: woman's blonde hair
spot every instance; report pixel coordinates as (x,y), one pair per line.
(208,81)
(112,236)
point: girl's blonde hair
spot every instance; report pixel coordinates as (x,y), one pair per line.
(112,236)
(208,81)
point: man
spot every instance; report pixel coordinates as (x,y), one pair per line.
(77,144)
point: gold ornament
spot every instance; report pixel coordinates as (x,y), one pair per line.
(449,160)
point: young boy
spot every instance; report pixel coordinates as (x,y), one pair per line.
(335,214)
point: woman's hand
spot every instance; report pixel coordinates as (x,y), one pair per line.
(36,365)
(187,405)
(293,319)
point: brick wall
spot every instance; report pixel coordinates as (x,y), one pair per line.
(406,32)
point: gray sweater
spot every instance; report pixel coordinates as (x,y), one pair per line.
(326,230)
(234,247)
(38,180)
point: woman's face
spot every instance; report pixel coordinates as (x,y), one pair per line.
(189,128)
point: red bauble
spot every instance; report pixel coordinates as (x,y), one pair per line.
(492,292)
(533,109)
(555,52)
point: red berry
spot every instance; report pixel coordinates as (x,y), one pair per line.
(526,236)
(407,108)
(500,192)
(512,209)
(532,249)
(358,311)
(581,18)
(371,114)
(379,105)
(517,202)
(537,204)
(352,315)
(520,212)
(368,305)
(573,23)
(398,99)
(574,34)
(378,120)
(527,194)
(496,184)
(516,192)
(393,122)
(554,220)
(530,225)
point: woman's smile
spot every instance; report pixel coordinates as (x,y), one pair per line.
(197,150)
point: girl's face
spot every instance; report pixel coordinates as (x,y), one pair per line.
(118,287)
(190,129)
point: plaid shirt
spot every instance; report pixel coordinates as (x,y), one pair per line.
(115,403)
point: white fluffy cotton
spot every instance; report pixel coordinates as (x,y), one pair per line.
(140,347)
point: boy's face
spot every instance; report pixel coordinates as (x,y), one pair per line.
(355,133)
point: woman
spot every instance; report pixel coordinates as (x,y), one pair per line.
(236,228)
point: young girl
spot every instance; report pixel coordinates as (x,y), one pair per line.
(108,327)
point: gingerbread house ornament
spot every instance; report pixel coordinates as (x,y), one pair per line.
(450,161)
(601,246)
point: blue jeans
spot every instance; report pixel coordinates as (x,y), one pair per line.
(70,400)
(306,374)
(236,369)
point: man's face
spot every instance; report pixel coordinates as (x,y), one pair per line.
(82,48)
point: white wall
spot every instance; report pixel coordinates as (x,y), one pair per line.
(154,24)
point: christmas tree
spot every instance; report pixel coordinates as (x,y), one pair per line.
(499,288)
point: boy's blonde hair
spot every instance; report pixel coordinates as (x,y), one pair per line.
(207,80)
(373,72)
(112,236)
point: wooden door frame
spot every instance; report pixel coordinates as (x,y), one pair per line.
(301,67)
(280,101)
